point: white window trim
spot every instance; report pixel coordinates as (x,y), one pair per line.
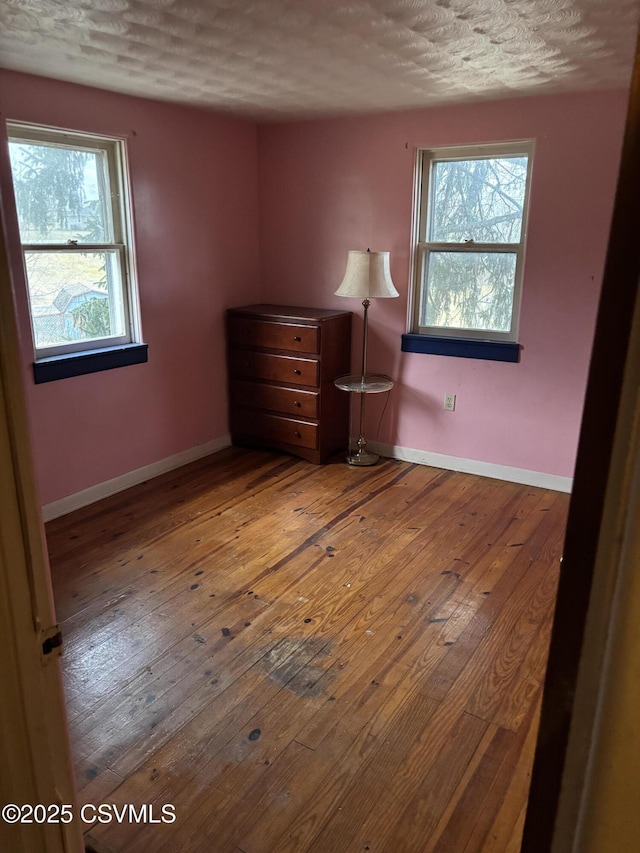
(123,243)
(425,157)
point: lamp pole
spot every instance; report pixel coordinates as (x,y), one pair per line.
(365,305)
(362,442)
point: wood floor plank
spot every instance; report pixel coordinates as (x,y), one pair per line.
(373,749)
(369,699)
(476,822)
(465,784)
(406,813)
(511,593)
(195,757)
(516,631)
(98,788)
(308,657)
(505,833)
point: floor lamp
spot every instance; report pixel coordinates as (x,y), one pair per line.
(366,277)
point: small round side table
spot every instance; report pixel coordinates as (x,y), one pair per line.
(369,383)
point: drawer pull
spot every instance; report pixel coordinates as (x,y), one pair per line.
(297,338)
(297,404)
(297,372)
(297,434)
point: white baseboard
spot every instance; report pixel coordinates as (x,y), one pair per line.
(118,484)
(407,454)
(473,466)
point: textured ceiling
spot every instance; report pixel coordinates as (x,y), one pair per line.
(276,59)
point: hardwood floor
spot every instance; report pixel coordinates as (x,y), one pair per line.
(303,658)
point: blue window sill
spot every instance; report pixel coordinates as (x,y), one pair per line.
(462,347)
(80,363)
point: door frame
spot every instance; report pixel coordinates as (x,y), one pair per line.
(35,758)
(586,741)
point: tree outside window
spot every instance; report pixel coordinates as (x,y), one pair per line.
(470,246)
(70,200)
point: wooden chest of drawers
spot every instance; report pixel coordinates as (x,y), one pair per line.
(282,362)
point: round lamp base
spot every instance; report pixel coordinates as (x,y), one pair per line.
(363,458)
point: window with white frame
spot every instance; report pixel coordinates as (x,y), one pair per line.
(470,241)
(73,216)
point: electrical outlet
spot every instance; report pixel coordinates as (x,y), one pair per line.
(450,402)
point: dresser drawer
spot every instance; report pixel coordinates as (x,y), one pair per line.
(274,428)
(282,362)
(283,336)
(277,368)
(289,401)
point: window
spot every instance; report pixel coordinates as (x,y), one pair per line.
(71,201)
(470,243)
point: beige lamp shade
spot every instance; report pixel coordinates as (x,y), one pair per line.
(367,276)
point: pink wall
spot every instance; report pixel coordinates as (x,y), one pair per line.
(194,180)
(324,187)
(334,185)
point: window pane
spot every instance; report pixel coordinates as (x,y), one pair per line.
(75,296)
(480,200)
(61,193)
(469,290)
